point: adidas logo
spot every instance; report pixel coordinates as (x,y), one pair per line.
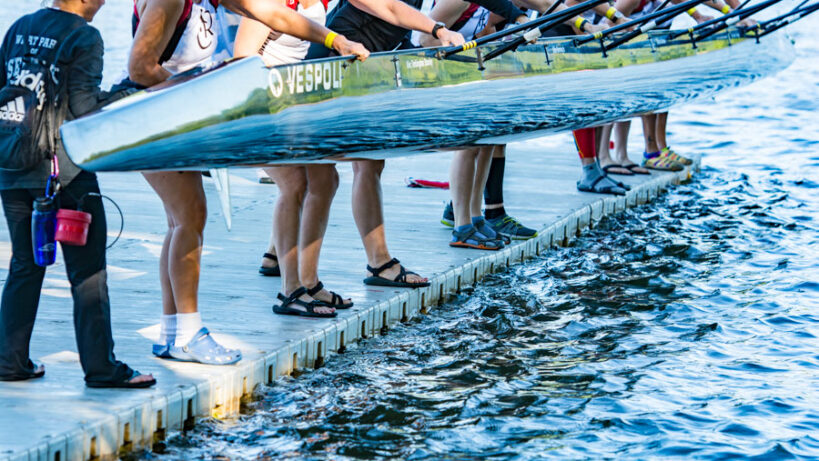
(14,111)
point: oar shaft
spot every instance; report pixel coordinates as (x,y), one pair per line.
(519,28)
(636,22)
(801,14)
(670,14)
(745,13)
(723,19)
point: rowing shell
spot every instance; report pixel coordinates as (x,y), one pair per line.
(396,104)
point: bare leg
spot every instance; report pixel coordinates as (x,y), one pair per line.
(662,120)
(185,206)
(604,153)
(621,130)
(368,213)
(322,183)
(649,132)
(461,183)
(292,182)
(482,161)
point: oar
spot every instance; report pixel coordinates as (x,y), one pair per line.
(446,52)
(792,12)
(668,15)
(639,21)
(533,33)
(791,19)
(733,19)
(556,4)
(721,19)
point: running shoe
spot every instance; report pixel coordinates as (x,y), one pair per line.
(675,157)
(656,161)
(448,219)
(511,227)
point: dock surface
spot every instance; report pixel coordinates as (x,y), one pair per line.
(58,418)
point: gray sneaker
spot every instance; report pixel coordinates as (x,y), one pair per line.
(448,219)
(511,227)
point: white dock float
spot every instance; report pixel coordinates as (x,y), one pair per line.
(57,418)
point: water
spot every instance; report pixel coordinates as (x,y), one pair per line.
(682,329)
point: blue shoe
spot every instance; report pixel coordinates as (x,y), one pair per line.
(203,349)
(448,219)
(163,351)
(510,227)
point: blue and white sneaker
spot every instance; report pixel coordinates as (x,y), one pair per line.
(163,351)
(510,227)
(204,349)
(448,219)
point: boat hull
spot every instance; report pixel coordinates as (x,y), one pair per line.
(397,104)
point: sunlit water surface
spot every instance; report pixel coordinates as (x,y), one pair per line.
(682,329)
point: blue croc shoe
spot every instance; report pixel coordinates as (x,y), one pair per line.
(204,349)
(163,351)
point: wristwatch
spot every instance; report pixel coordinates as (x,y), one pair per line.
(438,26)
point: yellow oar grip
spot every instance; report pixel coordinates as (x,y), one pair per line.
(469,45)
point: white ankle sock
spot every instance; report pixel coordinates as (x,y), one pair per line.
(167,328)
(186,327)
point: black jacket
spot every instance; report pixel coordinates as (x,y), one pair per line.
(80,65)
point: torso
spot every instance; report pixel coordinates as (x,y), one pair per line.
(472,22)
(375,34)
(281,48)
(197,42)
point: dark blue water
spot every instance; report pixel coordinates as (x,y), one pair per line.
(682,329)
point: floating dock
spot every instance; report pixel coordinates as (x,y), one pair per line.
(57,418)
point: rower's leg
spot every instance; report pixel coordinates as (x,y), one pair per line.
(461,183)
(594,179)
(482,161)
(292,182)
(322,183)
(621,130)
(186,209)
(659,130)
(650,133)
(493,192)
(368,213)
(604,153)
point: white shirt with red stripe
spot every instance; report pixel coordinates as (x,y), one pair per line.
(281,48)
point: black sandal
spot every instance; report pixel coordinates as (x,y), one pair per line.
(35,370)
(271,271)
(337,301)
(124,384)
(598,188)
(400,280)
(285,309)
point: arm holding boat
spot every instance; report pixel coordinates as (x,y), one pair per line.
(400,14)
(283,19)
(156,26)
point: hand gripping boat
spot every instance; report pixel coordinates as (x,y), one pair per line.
(243,113)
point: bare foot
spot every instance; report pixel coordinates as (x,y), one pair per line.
(269,262)
(317,309)
(614,170)
(393,272)
(141,379)
(327,297)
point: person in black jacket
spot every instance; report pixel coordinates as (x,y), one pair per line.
(61,30)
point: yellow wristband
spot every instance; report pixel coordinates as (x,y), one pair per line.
(726,9)
(329,39)
(580,22)
(611,12)
(691,11)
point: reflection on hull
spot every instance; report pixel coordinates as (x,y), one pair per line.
(398,104)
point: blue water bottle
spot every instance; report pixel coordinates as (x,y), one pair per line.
(43,228)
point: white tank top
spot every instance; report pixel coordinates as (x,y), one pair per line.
(476,23)
(281,48)
(198,42)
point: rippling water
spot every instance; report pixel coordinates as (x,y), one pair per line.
(682,329)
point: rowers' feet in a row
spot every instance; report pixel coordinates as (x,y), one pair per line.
(504,225)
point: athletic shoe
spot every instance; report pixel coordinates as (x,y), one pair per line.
(673,156)
(511,227)
(448,219)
